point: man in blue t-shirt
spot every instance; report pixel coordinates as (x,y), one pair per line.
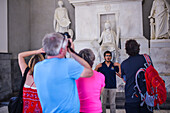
(129,67)
(109,70)
(55,76)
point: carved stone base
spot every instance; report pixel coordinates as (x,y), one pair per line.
(160,54)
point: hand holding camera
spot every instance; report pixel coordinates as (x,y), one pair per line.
(70,42)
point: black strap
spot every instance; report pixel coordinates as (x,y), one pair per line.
(23,82)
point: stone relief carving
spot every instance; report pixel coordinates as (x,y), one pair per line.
(61,19)
(159,20)
(107,7)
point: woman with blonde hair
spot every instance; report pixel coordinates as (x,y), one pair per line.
(31,101)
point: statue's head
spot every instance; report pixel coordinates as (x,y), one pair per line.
(60,3)
(107,25)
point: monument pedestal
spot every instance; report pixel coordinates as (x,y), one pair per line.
(91,15)
(160,54)
(124,15)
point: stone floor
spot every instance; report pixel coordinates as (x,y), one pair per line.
(4,109)
(123,111)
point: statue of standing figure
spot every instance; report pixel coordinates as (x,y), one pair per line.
(109,41)
(61,19)
(159,20)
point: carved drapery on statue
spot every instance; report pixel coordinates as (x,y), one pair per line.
(159,20)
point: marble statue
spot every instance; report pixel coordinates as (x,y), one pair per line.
(61,19)
(159,20)
(109,41)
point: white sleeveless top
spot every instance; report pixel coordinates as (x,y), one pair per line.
(27,86)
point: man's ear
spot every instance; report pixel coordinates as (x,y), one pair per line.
(61,51)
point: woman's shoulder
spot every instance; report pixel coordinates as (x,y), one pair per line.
(95,73)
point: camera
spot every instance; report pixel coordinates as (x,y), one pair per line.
(66,35)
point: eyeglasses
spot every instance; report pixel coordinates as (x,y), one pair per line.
(107,55)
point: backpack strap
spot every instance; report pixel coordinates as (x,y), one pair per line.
(147,59)
(136,78)
(143,97)
(23,82)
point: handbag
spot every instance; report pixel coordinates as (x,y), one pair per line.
(15,103)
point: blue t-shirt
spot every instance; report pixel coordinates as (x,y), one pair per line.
(129,67)
(56,86)
(110,74)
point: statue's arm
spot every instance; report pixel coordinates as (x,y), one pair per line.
(54,21)
(114,36)
(117,36)
(167,6)
(152,10)
(101,37)
(66,13)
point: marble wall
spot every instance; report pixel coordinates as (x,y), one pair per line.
(5,75)
(41,19)
(18,26)
(29,21)
(16,75)
(160,53)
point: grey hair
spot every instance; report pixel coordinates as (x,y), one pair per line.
(87,55)
(52,43)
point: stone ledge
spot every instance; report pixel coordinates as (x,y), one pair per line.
(5,56)
(96,1)
(160,43)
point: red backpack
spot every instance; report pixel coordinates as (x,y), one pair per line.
(156,91)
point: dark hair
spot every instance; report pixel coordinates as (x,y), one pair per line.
(107,52)
(88,56)
(132,47)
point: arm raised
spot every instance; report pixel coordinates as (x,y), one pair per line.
(22,55)
(87,72)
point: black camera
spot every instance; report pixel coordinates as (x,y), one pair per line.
(66,35)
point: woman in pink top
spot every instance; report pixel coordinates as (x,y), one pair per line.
(90,89)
